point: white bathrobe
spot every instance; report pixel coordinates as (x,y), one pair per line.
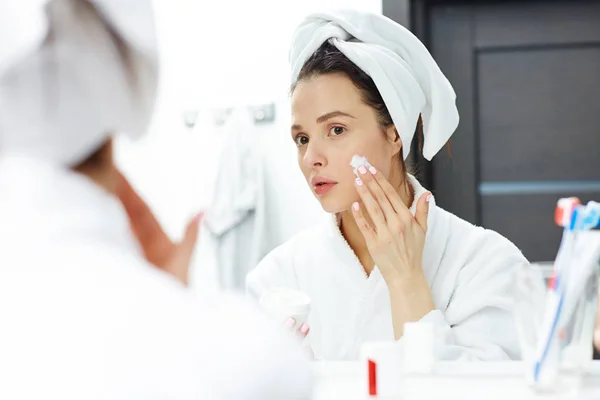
(84,316)
(469,270)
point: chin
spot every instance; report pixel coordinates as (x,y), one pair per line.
(333,205)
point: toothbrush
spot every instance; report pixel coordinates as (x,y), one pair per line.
(583,264)
(570,276)
(565,216)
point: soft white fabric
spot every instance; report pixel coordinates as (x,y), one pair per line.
(65,86)
(84,316)
(409,80)
(26,24)
(236,216)
(469,270)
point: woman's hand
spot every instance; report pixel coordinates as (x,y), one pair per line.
(302,329)
(159,250)
(395,241)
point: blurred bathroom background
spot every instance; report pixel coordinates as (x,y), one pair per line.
(527,78)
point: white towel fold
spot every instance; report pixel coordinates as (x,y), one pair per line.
(64,83)
(408,79)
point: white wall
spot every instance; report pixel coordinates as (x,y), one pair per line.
(220,53)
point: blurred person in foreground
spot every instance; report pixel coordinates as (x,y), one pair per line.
(93,297)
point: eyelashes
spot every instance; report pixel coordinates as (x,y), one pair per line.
(337,130)
(302,139)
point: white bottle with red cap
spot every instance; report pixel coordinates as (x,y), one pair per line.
(382,369)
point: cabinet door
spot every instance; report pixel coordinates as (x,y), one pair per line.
(527,77)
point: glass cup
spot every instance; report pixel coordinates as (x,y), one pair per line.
(570,349)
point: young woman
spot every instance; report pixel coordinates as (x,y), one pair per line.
(363,85)
(90,308)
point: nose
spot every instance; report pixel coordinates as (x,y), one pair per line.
(314,157)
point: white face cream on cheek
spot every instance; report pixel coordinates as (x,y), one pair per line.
(357,162)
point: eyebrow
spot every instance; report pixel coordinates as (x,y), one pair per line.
(326,117)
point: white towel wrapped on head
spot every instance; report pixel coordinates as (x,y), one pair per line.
(408,79)
(67,83)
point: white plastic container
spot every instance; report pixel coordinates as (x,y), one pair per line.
(419,349)
(283,303)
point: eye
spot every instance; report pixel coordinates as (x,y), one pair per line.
(301,140)
(337,130)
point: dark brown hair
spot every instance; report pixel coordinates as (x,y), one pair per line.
(329,60)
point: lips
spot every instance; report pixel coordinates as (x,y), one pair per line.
(321,185)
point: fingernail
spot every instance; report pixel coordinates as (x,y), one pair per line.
(428,199)
(290,322)
(355,206)
(362,170)
(198,218)
(359,181)
(372,170)
(304,329)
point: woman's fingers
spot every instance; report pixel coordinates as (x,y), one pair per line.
(422,210)
(158,248)
(369,177)
(154,241)
(365,227)
(391,194)
(290,323)
(371,205)
(180,261)
(304,329)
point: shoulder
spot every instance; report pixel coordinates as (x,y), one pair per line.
(306,241)
(468,241)
(281,266)
(452,239)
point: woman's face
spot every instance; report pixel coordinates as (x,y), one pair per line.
(330,124)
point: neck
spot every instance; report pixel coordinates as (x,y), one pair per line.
(100,168)
(354,236)
(105,179)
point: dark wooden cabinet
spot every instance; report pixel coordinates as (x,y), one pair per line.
(527,78)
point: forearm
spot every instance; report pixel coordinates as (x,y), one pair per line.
(410,300)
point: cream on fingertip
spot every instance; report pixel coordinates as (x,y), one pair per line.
(358,162)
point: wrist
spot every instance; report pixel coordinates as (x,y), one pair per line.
(406,280)
(410,290)
(411,295)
